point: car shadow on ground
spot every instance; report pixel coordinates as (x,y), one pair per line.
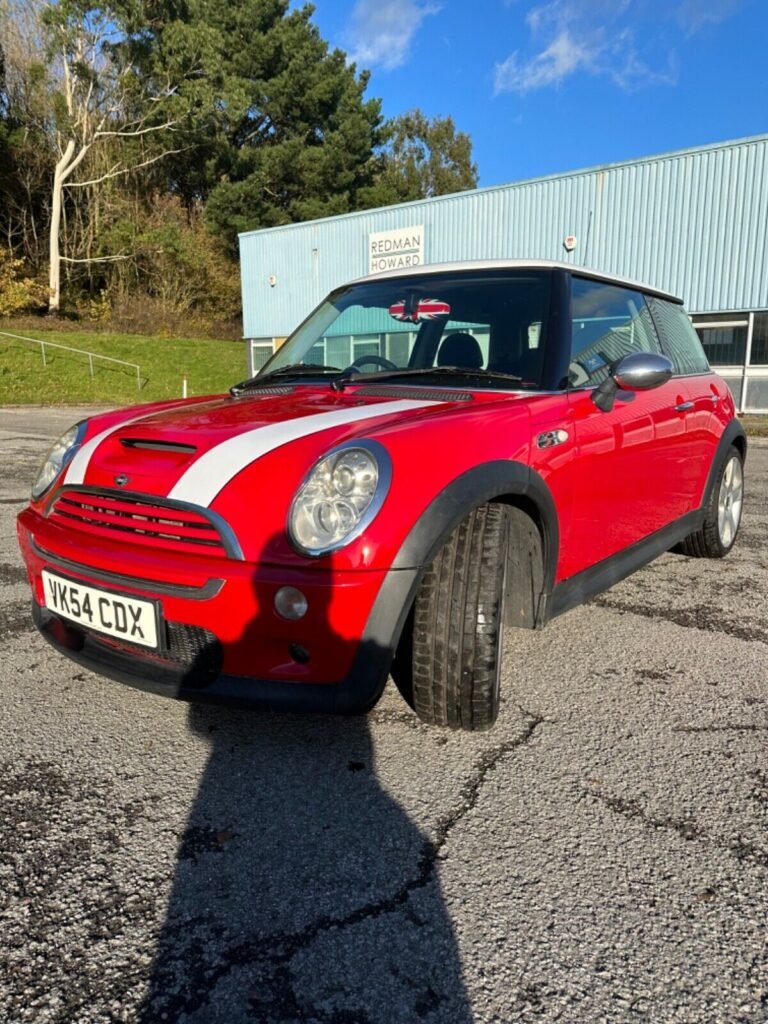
(302,892)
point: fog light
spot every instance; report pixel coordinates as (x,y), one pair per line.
(290,603)
(298,653)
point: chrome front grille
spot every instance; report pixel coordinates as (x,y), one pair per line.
(142,519)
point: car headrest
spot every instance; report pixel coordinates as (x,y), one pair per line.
(460,350)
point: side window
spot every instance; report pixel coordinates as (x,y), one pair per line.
(679,340)
(607,322)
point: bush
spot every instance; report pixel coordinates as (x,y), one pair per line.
(178,274)
(17,294)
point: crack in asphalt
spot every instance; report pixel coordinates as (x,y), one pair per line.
(632,810)
(23,437)
(709,620)
(271,956)
(13,501)
(748,727)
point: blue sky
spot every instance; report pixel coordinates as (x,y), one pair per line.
(555,85)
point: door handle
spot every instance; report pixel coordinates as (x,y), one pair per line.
(683,406)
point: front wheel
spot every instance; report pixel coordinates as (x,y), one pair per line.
(458,622)
(721,524)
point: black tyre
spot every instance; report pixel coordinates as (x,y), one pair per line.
(721,524)
(458,622)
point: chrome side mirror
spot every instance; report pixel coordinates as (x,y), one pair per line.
(639,371)
(642,371)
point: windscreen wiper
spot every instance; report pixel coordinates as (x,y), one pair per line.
(289,370)
(350,377)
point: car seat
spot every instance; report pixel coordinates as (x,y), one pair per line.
(460,350)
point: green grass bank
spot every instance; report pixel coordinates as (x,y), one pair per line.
(755,426)
(210,367)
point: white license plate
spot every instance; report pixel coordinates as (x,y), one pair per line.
(128,618)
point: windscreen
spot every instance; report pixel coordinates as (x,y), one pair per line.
(478,321)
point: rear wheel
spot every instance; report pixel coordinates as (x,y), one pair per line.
(458,622)
(721,524)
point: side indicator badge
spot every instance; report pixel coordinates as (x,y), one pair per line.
(552,438)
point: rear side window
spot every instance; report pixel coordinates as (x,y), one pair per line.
(607,323)
(678,338)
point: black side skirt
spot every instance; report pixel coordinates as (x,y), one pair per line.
(600,577)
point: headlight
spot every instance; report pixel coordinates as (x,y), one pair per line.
(59,456)
(340,497)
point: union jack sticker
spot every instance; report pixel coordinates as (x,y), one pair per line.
(424,309)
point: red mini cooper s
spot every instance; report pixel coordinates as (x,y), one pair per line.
(433,455)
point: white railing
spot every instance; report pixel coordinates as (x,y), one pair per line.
(79,351)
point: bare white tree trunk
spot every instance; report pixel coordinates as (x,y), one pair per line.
(66,165)
(96,110)
(54,255)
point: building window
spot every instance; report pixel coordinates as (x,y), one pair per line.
(736,385)
(367,345)
(260,350)
(724,337)
(316,355)
(757,394)
(400,346)
(338,351)
(759,355)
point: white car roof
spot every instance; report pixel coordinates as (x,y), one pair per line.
(459,266)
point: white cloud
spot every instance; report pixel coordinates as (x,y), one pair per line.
(381,31)
(629,71)
(564,56)
(595,37)
(694,15)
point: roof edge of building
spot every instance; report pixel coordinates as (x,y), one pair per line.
(557,176)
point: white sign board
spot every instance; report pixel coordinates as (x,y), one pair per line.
(392,250)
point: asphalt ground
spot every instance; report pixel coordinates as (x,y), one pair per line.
(600,856)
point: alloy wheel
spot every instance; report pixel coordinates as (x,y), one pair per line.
(730,501)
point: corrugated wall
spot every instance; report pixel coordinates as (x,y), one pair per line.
(693,222)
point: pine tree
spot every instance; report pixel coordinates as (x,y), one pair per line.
(292,135)
(422,158)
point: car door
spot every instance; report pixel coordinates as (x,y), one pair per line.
(630,479)
(706,393)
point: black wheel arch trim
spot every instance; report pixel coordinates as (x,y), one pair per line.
(733,434)
(488,481)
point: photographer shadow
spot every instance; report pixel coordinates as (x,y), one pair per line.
(302,890)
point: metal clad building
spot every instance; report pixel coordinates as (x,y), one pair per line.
(692,222)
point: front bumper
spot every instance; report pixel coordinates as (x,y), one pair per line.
(225,642)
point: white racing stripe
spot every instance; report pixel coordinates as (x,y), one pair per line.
(213,470)
(76,470)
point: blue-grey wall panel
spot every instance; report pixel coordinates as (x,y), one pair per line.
(694,223)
